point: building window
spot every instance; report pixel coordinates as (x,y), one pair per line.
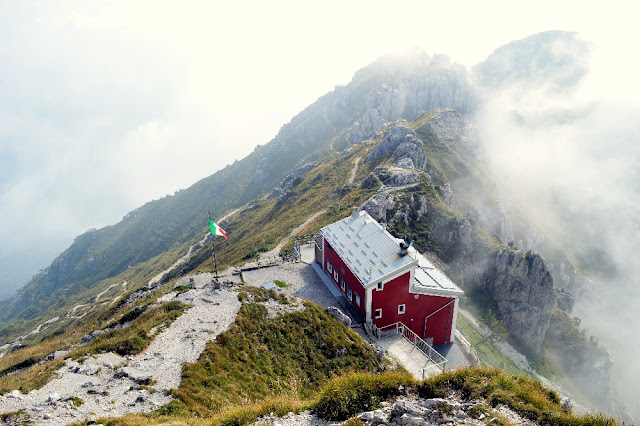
(335,275)
(329,268)
(342,285)
(357,299)
(401,309)
(342,270)
(349,293)
(380,287)
(378,313)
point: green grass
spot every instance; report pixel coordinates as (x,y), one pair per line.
(280,284)
(256,358)
(353,393)
(76,401)
(526,396)
(488,353)
(260,364)
(136,336)
(261,225)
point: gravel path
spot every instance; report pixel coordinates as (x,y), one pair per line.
(293,233)
(301,277)
(354,170)
(109,385)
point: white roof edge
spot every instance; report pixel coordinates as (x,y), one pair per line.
(432,291)
(393,274)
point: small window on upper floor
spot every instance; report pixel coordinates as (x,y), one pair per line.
(335,275)
(380,287)
(342,284)
(401,309)
(378,313)
(349,293)
(329,268)
(357,299)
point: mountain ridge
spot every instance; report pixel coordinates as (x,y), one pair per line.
(180,216)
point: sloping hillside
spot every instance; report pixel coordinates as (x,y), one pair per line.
(387,90)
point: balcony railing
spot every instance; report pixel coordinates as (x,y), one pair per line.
(432,355)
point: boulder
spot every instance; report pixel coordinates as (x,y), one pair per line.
(339,315)
(15,394)
(405,148)
(378,206)
(402,407)
(565,300)
(396,177)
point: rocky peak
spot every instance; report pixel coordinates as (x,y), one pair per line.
(552,57)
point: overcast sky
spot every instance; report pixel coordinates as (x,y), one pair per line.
(105,105)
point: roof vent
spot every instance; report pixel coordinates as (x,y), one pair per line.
(404,246)
(355,212)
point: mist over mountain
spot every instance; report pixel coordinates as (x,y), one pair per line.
(393,88)
(568,156)
(525,181)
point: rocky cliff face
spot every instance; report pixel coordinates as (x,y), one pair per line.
(522,288)
(407,88)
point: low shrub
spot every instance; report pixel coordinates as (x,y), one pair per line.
(348,395)
(527,397)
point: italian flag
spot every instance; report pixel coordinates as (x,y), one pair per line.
(216,230)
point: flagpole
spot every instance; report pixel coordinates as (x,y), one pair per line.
(213,247)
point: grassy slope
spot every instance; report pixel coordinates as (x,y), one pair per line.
(264,223)
(164,224)
(265,362)
(308,360)
(317,191)
(125,341)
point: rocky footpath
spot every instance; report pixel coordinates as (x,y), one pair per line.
(109,385)
(416,411)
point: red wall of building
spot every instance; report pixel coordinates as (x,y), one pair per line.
(343,271)
(396,292)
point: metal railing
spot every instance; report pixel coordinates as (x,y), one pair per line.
(432,355)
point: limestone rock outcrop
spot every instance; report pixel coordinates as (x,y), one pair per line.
(379,205)
(397,176)
(522,288)
(291,180)
(407,150)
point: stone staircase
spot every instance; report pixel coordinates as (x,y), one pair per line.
(416,362)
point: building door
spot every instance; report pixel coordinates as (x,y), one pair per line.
(317,239)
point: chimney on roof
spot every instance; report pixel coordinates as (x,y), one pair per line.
(355,212)
(404,246)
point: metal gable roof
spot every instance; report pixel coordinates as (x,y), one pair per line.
(430,280)
(369,251)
